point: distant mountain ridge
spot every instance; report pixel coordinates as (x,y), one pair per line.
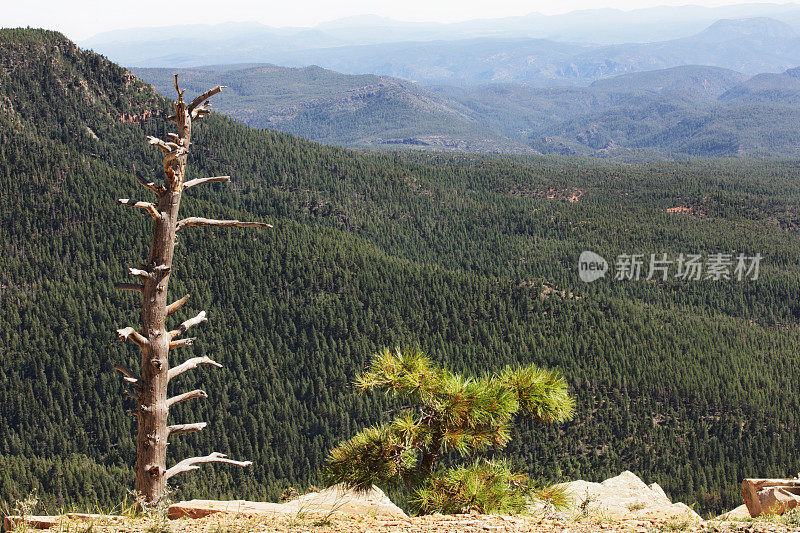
(696,80)
(326,106)
(751,45)
(726,88)
(686,111)
(779,89)
(604,26)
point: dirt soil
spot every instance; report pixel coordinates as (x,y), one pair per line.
(224,523)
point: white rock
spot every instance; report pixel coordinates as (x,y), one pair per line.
(15,522)
(739,513)
(331,500)
(655,487)
(337,498)
(626,496)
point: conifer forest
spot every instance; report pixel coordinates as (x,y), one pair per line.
(471,258)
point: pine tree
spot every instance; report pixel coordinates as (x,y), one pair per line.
(447,412)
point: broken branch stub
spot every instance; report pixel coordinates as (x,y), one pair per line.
(192,462)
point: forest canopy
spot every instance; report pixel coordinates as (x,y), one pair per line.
(472,258)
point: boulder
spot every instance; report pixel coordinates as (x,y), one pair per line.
(13,522)
(626,497)
(739,513)
(337,498)
(770,496)
(334,499)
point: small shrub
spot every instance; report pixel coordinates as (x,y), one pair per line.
(289,494)
(585,507)
(24,509)
(448,412)
(155,512)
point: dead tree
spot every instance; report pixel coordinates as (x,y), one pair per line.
(154,339)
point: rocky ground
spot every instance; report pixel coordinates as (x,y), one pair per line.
(623,503)
(228,523)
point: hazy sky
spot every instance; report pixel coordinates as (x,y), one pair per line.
(79,19)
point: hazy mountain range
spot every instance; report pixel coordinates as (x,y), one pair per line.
(575,48)
(749,45)
(606,26)
(680,111)
(667,81)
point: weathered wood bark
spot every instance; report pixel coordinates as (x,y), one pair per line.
(770,496)
(154,339)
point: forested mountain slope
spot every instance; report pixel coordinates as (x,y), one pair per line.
(690,384)
(774,89)
(696,81)
(333,108)
(688,111)
(683,112)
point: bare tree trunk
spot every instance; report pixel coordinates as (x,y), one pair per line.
(154,339)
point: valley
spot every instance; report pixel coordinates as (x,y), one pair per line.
(472,257)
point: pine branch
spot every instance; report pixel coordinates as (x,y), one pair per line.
(174,306)
(143,274)
(179,429)
(169,148)
(127,375)
(130,333)
(158,189)
(200,181)
(205,96)
(198,221)
(181,343)
(190,364)
(199,319)
(191,463)
(197,393)
(147,206)
(129,287)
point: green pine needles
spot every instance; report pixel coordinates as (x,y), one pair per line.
(446,412)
